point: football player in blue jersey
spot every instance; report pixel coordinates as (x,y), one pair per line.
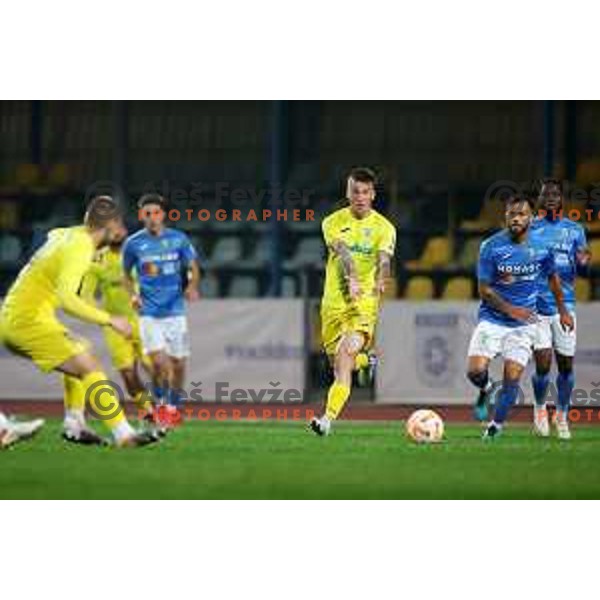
(510,264)
(166,274)
(571,256)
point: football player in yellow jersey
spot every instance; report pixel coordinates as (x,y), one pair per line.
(360,243)
(29,325)
(106,278)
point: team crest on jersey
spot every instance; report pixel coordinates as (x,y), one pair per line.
(150,269)
(367,231)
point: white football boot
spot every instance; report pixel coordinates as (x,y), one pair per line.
(12,432)
(76,431)
(320,426)
(541,423)
(562,426)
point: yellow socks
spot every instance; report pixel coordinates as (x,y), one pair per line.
(105,403)
(336,398)
(142,402)
(74,398)
(361,361)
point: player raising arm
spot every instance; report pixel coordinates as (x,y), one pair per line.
(572,256)
(29,325)
(510,264)
(360,244)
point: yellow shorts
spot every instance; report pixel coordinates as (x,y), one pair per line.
(360,317)
(125,352)
(44,340)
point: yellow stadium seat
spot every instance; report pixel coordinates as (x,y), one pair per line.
(419,288)
(59,176)
(458,288)
(578,208)
(391,289)
(470,253)
(592,226)
(491,216)
(595,248)
(9,215)
(583,290)
(27,175)
(437,253)
(588,172)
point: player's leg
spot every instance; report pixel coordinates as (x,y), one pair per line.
(507,397)
(154,344)
(350,344)
(160,365)
(136,389)
(484,345)
(478,375)
(178,370)
(103,398)
(75,428)
(565,382)
(565,343)
(124,355)
(540,380)
(517,347)
(178,350)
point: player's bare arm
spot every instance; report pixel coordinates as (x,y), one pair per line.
(566,319)
(518,313)
(129,283)
(191,291)
(349,268)
(383,273)
(583,257)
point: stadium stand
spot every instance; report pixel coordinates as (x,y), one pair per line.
(437,254)
(458,288)
(419,288)
(438,161)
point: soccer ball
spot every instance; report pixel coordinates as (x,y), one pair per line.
(425,426)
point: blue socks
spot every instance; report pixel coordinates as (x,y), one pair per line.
(175,397)
(159,394)
(164,394)
(540,385)
(508,396)
(565,385)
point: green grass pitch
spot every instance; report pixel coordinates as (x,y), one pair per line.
(282,460)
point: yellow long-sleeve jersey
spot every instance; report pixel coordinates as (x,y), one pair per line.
(107,276)
(52,278)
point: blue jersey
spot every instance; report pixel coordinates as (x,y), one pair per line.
(513,271)
(566,238)
(161,263)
